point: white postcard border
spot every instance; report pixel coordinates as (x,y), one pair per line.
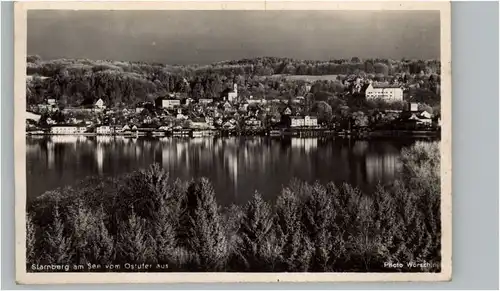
(20,48)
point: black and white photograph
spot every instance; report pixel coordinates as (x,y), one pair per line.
(244,140)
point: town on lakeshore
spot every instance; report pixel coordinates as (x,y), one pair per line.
(384,108)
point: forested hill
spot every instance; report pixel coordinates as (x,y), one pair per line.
(77,81)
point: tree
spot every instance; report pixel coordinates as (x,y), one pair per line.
(425,107)
(30,240)
(57,245)
(205,237)
(258,247)
(323,111)
(164,233)
(148,188)
(134,244)
(355,60)
(296,247)
(359,119)
(33,59)
(380,68)
(317,217)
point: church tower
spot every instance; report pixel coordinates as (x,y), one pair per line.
(231,96)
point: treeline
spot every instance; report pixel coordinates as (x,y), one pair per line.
(82,82)
(272,65)
(144,217)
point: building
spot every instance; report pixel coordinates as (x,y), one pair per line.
(33,116)
(99,104)
(297,121)
(232,95)
(227,106)
(49,106)
(425,114)
(187,101)
(210,121)
(413,107)
(417,118)
(103,129)
(229,124)
(167,103)
(181,115)
(243,107)
(287,111)
(199,122)
(67,129)
(311,121)
(388,93)
(299,99)
(205,101)
(253,121)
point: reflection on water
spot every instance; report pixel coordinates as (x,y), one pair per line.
(237,166)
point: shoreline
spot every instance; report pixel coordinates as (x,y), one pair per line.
(271,133)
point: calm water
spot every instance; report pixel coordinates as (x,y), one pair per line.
(237,166)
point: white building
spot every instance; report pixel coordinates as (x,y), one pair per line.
(413,107)
(297,121)
(384,92)
(32,116)
(256,101)
(253,121)
(232,95)
(423,117)
(310,121)
(99,104)
(425,114)
(103,129)
(199,123)
(169,103)
(180,115)
(205,100)
(287,111)
(67,129)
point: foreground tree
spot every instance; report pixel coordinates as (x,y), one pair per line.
(317,217)
(56,242)
(91,242)
(30,240)
(164,234)
(205,236)
(258,248)
(134,244)
(296,247)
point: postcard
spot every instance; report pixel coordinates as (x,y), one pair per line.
(162,142)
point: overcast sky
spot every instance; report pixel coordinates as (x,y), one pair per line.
(188,37)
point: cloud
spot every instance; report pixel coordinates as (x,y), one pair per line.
(207,36)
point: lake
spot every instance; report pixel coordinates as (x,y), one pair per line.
(237,166)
